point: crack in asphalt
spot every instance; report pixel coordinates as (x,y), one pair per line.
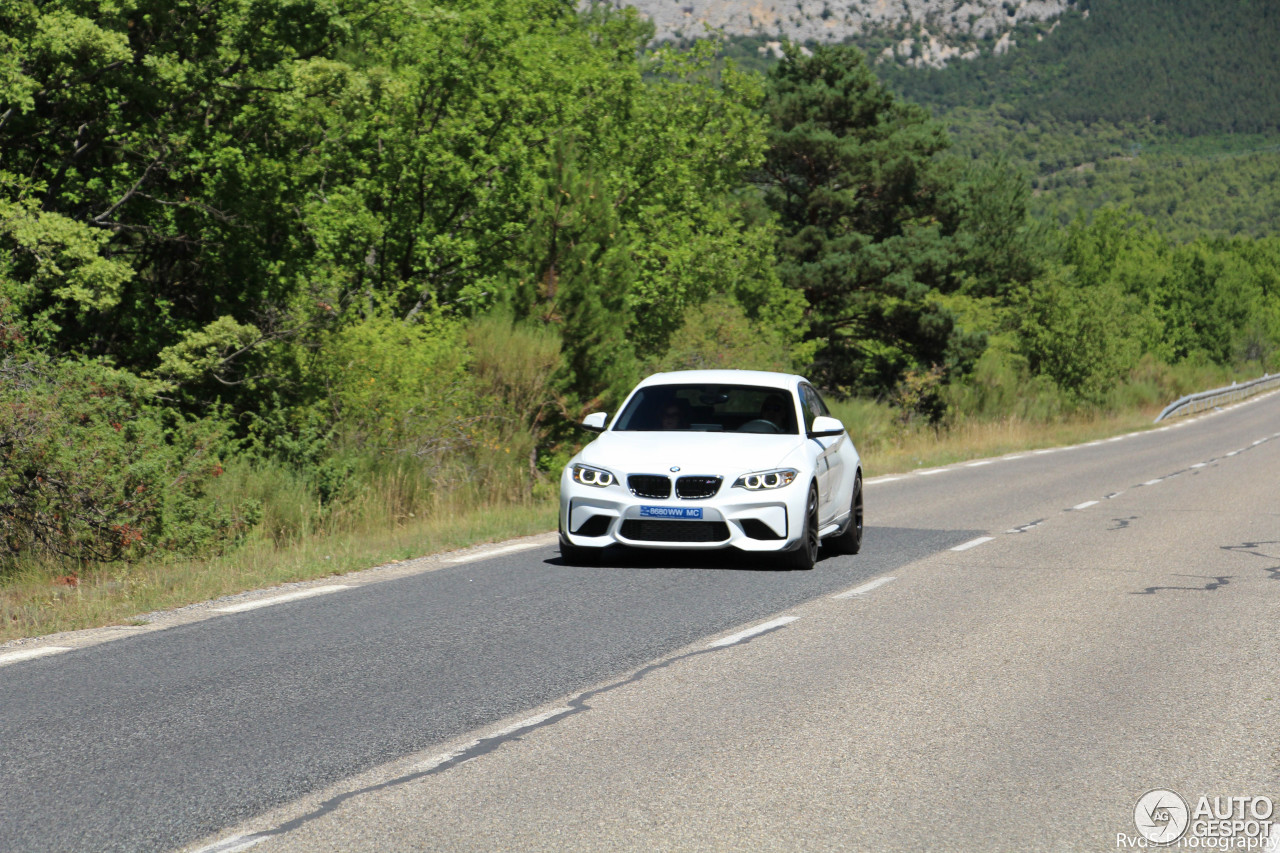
(1216,583)
(1255,549)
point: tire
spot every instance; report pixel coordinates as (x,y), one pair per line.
(576,555)
(804,557)
(850,541)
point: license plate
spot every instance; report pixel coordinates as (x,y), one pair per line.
(684,513)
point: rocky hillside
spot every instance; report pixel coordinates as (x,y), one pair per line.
(925,33)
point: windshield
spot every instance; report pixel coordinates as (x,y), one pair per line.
(709,408)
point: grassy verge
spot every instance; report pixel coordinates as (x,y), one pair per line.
(47,599)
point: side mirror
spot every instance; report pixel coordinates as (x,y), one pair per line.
(825,427)
(595,421)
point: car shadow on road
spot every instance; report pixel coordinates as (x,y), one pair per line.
(882,547)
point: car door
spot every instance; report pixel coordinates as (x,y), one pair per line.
(830,463)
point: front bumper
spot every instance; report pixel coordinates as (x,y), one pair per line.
(771,520)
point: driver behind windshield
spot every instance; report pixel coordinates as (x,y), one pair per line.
(774,410)
(673,417)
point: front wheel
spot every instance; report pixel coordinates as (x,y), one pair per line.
(576,555)
(804,557)
(850,541)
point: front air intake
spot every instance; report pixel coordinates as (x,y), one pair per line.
(646,530)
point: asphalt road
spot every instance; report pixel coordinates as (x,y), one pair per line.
(1109,634)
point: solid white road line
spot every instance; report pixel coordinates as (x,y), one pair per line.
(433,763)
(751,632)
(527,723)
(484,555)
(932,471)
(28,654)
(973,543)
(281,599)
(1085,505)
(864,589)
(234,844)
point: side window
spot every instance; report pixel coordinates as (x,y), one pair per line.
(806,408)
(812,405)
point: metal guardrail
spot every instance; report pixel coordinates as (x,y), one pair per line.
(1193,403)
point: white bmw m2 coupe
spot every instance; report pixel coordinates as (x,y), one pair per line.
(704,459)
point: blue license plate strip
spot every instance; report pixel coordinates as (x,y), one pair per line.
(682,513)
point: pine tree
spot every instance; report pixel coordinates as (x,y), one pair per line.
(867,223)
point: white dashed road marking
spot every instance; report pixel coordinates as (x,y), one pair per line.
(1085,505)
(864,589)
(973,543)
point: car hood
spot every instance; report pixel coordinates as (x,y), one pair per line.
(710,453)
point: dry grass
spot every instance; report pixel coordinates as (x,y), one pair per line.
(925,448)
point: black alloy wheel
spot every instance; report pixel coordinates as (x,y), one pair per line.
(850,541)
(805,556)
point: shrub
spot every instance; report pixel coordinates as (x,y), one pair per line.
(92,469)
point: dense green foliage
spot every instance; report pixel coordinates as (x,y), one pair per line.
(325,249)
(1194,66)
(1169,106)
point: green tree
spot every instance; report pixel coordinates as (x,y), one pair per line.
(866,218)
(573,272)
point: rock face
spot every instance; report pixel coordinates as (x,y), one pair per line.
(933,31)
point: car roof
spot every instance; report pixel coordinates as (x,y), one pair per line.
(761,378)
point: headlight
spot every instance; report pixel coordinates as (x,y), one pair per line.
(767,479)
(588,476)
